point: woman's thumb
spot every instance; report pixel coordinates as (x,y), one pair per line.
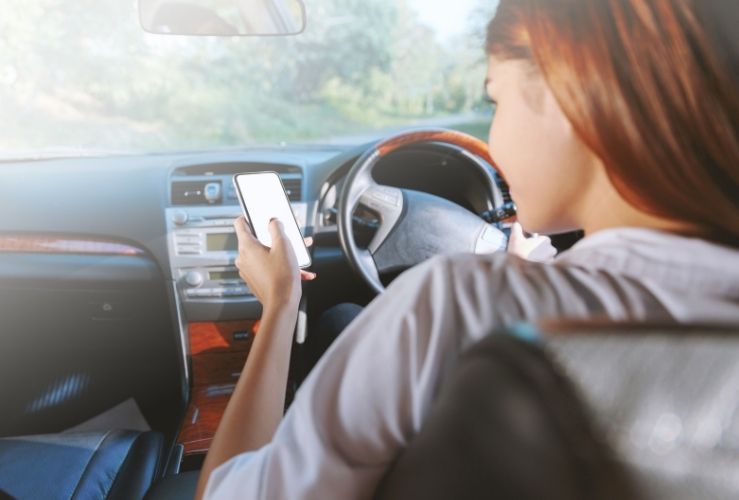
(516,233)
(276,230)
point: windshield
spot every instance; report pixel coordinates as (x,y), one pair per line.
(84,77)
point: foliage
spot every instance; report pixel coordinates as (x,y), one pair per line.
(84,75)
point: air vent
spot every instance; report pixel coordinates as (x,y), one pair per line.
(190,193)
(294,188)
(231,168)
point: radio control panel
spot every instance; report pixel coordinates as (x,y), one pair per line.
(203,248)
(213,282)
(206,239)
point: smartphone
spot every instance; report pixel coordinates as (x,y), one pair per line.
(263,197)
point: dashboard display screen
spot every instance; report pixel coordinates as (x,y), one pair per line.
(224,275)
(219,242)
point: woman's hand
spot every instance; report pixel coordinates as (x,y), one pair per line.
(271,273)
(535,247)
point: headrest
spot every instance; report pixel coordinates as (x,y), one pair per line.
(667,399)
(506,425)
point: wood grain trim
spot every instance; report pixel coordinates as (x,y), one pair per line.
(52,244)
(465,141)
(218,368)
(217,361)
(201,420)
(219,336)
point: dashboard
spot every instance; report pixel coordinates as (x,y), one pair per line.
(179,208)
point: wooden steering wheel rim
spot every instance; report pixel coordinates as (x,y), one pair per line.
(464,141)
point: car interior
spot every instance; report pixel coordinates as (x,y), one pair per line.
(126,323)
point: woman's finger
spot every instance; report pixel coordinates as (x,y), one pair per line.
(276,231)
(308,240)
(307,275)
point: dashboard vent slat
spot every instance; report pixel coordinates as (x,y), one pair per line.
(189,193)
(293,187)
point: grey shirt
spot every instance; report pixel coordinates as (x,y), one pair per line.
(371,391)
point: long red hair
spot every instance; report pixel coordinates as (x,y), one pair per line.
(650,86)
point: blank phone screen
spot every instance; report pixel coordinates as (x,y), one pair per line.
(264,198)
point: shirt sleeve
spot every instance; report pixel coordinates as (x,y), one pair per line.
(370,392)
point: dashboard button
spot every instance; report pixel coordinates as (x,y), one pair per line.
(212,192)
(194,278)
(180,217)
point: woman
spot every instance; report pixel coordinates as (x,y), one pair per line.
(619,117)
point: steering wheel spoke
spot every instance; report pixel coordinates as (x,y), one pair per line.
(387,202)
(368,262)
(362,183)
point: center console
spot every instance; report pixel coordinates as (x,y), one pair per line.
(202,241)
(219,311)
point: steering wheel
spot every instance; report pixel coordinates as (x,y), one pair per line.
(414,225)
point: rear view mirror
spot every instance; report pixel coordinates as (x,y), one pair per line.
(222,17)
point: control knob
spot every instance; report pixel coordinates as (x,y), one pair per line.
(194,278)
(180,217)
